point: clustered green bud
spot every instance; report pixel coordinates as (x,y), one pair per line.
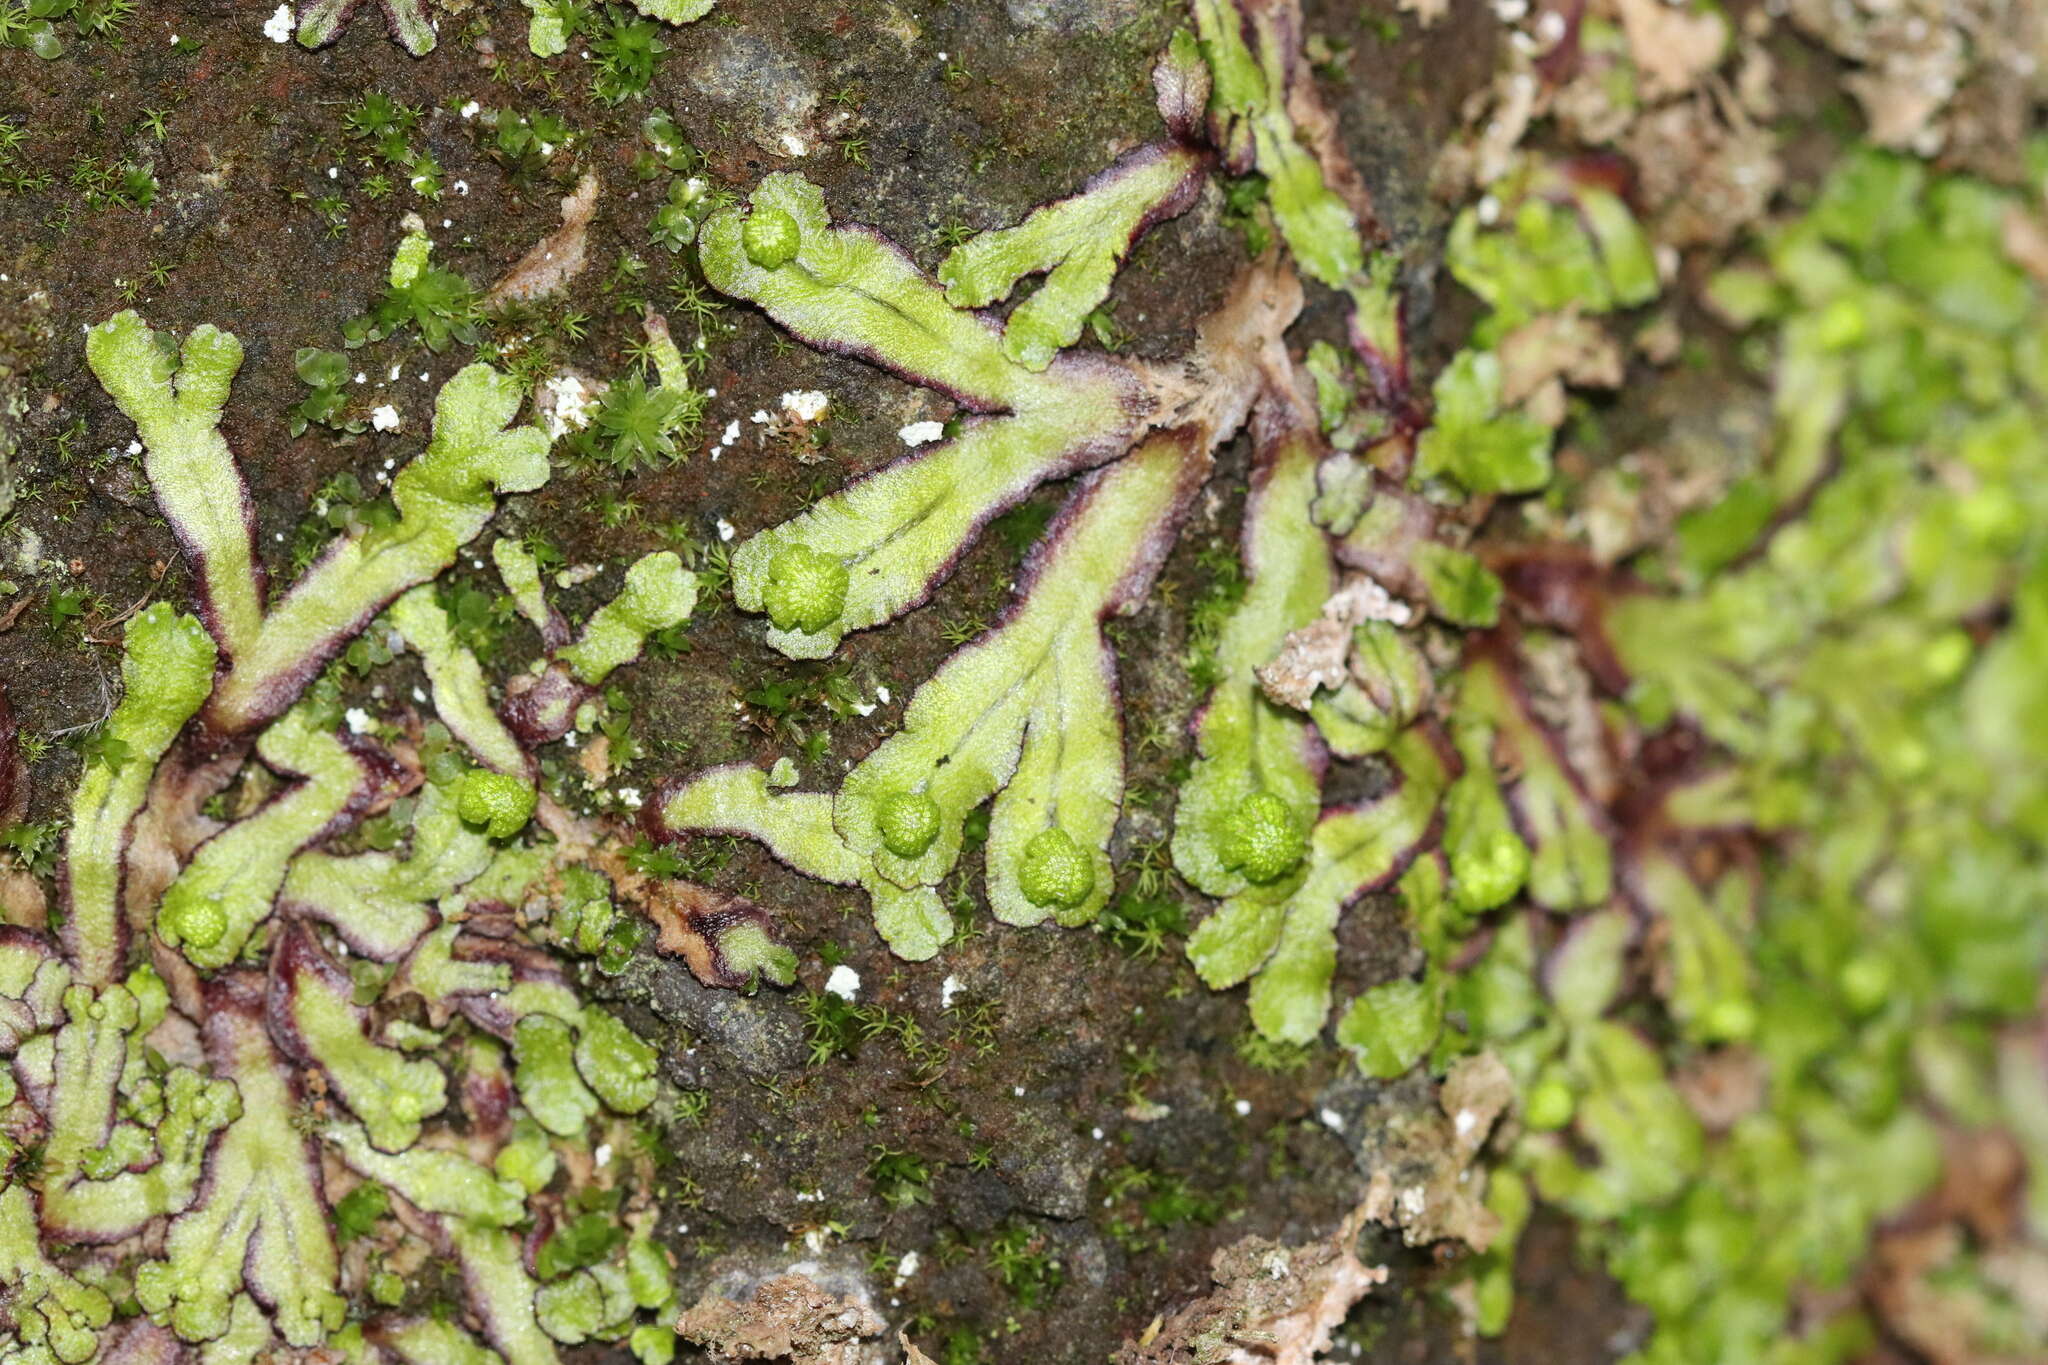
(1057,871)
(770,237)
(908,822)
(1549,1105)
(1264,841)
(806,590)
(1866,981)
(499,802)
(1488,868)
(1731,1020)
(195,920)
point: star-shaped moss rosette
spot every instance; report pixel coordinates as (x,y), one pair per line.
(276,945)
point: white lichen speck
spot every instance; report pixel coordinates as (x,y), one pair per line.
(278,27)
(569,404)
(844,982)
(921,433)
(806,405)
(385,418)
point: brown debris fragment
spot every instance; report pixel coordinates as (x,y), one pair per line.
(1704,179)
(2025,239)
(1974,1215)
(1423,1180)
(1563,698)
(1566,347)
(691,920)
(1914,57)
(1271,1305)
(1239,353)
(1500,136)
(556,258)
(22,901)
(1722,1088)
(1476,1091)
(595,759)
(1319,653)
(1925,1306)
(787,1318)
(141,1342)
(1672,46)
(1310,658)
